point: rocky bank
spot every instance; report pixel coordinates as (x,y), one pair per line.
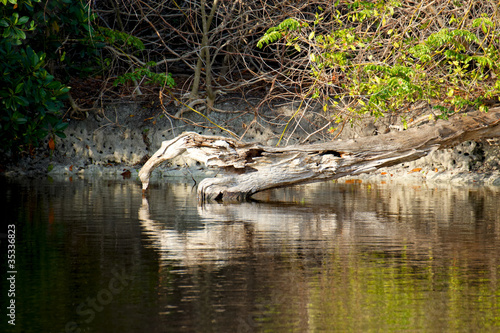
(116,142)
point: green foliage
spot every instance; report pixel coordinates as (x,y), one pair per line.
(451,69)
(99,61)
(44,43)
(447,51)
(124,43)
(30,97)
(388,88)
(160,79)
(281,30)
(43,40)
(438,71)
(65,34)
(118,39)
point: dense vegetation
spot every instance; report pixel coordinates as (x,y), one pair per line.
(350,57)
(382,57)
(30,96)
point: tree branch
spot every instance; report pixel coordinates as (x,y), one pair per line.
(249,168)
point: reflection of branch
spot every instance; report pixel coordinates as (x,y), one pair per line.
(144,210)
(225,234)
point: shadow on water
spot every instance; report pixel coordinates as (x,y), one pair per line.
(96,256)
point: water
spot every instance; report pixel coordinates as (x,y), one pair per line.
(95,256)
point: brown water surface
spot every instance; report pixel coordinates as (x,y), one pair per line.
(95,256)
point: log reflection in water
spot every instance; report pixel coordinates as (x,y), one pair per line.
(356,218)
(230,231)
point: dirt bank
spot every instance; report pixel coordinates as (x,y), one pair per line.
(117,142)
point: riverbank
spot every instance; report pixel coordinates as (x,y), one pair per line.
(116,142)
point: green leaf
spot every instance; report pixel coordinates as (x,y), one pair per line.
(19,34)
(61,126)
(21,100)
(19,87)
(8,103)
(289,24)
(54,85)
(6,33)
(32,56)
(23,20)
(269,37)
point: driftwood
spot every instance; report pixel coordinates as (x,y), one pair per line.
(249,168)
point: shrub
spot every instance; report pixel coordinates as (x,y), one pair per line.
(381,57)
(30,95)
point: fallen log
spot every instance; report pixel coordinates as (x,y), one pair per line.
(249,168)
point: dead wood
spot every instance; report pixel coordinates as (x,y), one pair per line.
(249,168)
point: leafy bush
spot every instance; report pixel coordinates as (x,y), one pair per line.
(34,35)
(44,44)
(160,79)
(31,98)
(362,57)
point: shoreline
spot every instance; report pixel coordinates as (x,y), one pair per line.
(116,146)
(166,174)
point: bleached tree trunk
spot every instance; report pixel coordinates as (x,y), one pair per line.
(249,168)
